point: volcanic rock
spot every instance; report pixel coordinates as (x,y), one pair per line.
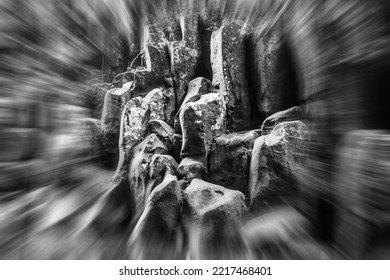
(157,233)
(201,121)
(277,164)
(229,73)
(196,88)
(211,216)
(191,168)
(229,160)
(138,168)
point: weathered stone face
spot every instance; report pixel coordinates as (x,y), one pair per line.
(162,129)
(156,60)
(277,162)
(155,101)
(191,168)
(113,105)
(229,160)
(138,168)
(201,121)
(135,118)
(157,234)
(293,114)
(229,73)
(211,215)
(185,56)
(196,88)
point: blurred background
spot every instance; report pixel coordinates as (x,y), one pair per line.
(66,189)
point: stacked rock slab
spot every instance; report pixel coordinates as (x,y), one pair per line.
(229,73)
(211,216)
(157,234)
(229,160)
(201,121)
(361,187)
(277,165)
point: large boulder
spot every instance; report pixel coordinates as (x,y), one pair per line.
(277,164)
(159,167)
(139,168)
(201,121)
(292,114)
(211,216)
(229,73)
(157,234)
(196,88)
(229,160)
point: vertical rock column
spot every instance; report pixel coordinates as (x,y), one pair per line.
(229,73)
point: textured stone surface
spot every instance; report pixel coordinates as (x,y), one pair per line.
(277,163)
(229,73)
(162,129)
(196,88)
(157,234)
(201,121)
(292,114)
(229,160)
(113,105)
(138,168)
(155,101)
(211,215)
(185,56)
(191,168)
(135,118)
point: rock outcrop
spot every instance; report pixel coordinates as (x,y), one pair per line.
(157,234)
(277,164)
(229,73)
(201,121)
(211,216)
(229,159)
